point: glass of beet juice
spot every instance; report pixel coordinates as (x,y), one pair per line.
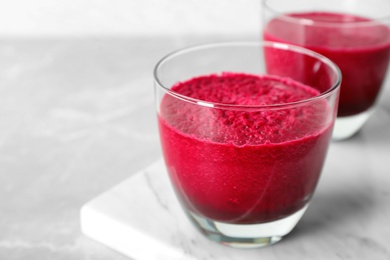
(355,34)
(244,130)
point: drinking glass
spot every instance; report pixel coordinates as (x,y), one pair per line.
(244,172)
(355,34)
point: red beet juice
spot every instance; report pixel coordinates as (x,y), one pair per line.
(243,166)
(362,52)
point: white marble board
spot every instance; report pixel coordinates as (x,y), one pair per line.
(349,217)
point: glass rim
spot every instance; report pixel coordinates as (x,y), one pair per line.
(288,47)
(310,22)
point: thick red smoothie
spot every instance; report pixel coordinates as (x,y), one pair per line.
(362,53)
(244,166)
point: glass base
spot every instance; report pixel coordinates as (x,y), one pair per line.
(345,127)
(246,235)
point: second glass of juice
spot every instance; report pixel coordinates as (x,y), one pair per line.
(244,130)
(354,34)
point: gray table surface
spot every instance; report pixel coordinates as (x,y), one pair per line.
(77,117)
